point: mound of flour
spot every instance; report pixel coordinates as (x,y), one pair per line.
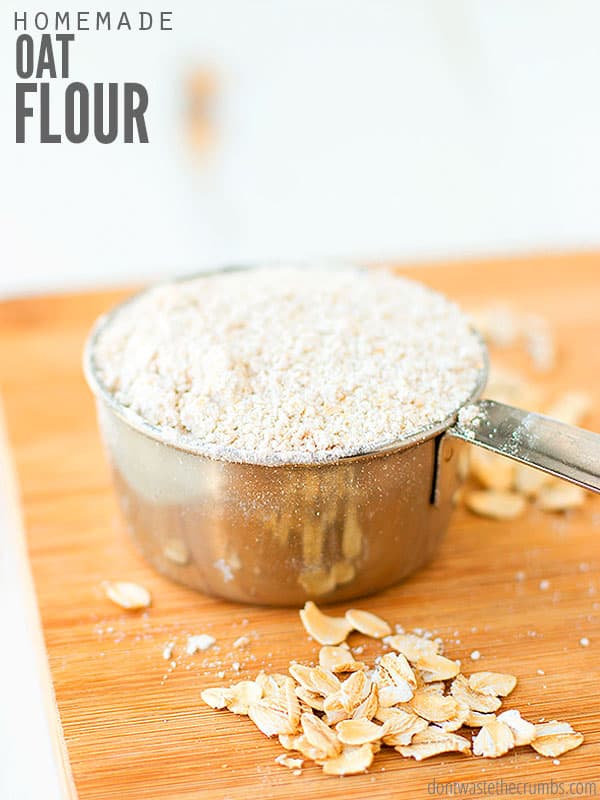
(285,364)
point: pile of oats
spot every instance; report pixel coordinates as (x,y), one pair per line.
(127,595)
(414,699)
(285,364)
(498,487)
(504,326)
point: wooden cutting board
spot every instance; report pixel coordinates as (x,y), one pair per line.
(133,726)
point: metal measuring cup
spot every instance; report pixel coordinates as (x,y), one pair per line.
(282,534)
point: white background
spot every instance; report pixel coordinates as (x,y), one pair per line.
(356,128)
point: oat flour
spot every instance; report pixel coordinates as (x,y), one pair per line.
(285,364)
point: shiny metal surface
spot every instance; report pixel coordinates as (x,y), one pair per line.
(533,439)
(283,534)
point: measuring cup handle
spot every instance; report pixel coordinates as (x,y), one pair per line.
(533,439)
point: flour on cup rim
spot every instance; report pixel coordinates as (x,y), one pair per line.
(288,365)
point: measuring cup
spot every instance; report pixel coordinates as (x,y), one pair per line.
(282,534)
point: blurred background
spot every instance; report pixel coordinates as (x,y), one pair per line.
(369,129)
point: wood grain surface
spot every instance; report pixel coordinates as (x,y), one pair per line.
(133,724)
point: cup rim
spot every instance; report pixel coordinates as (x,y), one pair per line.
(194,446)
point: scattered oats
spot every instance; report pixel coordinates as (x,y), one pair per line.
(324,681)
(496,684)
(357,696)
(493,740)
(433,707)
(130,596)
(245,694)
(394,671)
(459,719)
(522,730)
(217,697)
(584,641)
(475,655)
(340,713)
(270,718)
(492,470)
(389,696)
(571,408)
(315,679)
(539,342)
(497,323)
(400,726)
(540,672)
(413,647)
(476,701)
(351,761)
(367,623)
(289,741)
(358,731)
(560,496)
(235,666)
(338,659)
(544,585)
(433,741)
(495,504)
(168,651)
(322,628)
(477,719)
(320,735)
(199,642)
(310,698)
(289,761)
(437,668)
(528,480)
(556,762)
(555,738)
(241,641)
(303,746)
(503,326)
